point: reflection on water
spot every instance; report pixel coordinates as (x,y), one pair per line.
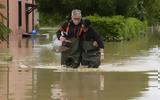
(3,82)
(43,84)
(124,50)
(15,83)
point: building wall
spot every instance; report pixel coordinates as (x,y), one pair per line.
(13,21)
(17,31)
(13,16)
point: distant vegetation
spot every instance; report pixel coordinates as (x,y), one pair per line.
(115,20)
(52,11)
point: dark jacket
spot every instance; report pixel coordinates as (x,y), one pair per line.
(92,35)
(74,50)
(74,30)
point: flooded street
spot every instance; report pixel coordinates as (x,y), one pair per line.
(129,72)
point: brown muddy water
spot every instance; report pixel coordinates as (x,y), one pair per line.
(129,72)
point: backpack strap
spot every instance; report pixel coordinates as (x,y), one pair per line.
(80,32)
(67,28)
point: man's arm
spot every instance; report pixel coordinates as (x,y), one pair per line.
(61,29)
(98,39)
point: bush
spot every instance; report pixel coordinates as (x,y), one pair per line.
(118,28)
(134,28)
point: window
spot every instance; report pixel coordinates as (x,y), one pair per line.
(19,13)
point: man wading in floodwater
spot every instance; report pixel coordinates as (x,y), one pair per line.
(92,46)
(71,31)
(85,46)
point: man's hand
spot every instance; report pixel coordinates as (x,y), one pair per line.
(95,44)
(62,38)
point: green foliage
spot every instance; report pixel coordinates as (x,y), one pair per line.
(118,28)
(4,31)
(141,9)
(134,28)
(153,10)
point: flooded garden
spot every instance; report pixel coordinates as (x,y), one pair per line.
(30,69)
(33,72)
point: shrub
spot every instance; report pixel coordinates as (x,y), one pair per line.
(118,28)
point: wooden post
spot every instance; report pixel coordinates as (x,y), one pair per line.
(8,22)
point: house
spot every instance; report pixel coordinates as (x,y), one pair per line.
(20,16)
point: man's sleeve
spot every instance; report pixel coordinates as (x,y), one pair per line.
(62,28)
(98,38)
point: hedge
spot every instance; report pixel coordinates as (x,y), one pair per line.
(118,28)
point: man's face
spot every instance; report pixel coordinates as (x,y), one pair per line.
(76,19)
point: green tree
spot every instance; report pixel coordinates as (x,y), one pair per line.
(4,31)
(153,10)
(141,9)
(138,10)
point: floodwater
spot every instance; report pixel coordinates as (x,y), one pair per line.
(45,84)
(129,72)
